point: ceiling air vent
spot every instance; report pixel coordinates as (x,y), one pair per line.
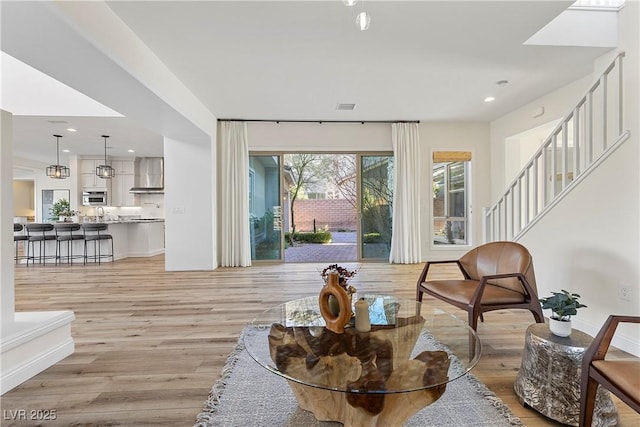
(345,107)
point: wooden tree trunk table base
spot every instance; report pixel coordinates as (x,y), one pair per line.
(549,378)
(333,406)
(375,363)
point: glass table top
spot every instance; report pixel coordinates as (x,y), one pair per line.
(411,346)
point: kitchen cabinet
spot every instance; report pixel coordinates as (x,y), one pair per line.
(123,167)
(88,166)
(88,177)
(120,186)
(91,181)
(146,239)
(122,183)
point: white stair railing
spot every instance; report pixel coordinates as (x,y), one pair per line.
(589,134)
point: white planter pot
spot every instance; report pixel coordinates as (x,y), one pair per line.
(561,328)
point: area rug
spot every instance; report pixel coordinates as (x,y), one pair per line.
(249,395)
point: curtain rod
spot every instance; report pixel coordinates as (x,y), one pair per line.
(319,121)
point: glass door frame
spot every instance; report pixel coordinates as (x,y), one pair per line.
(359,234)
(283,199)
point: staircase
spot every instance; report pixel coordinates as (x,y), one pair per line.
(578,144)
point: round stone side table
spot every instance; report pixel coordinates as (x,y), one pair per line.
(549,378)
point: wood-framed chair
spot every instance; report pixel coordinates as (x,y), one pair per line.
(620,377)
(497,275)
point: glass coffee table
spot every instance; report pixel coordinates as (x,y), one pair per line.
(377,378)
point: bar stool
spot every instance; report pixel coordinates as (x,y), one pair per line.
(93,232)
(37,232)
(17,238)
(65,233)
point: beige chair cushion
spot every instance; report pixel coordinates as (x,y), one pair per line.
(622,373)
(462,290)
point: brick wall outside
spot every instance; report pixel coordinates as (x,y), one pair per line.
(337,214)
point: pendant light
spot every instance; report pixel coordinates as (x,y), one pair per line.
(57,171)
(105,171)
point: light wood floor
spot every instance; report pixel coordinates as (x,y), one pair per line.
(150,344)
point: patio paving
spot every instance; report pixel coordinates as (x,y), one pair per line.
(341,249)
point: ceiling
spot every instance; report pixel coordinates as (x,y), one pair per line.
(296,60)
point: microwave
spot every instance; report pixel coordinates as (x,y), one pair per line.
(94,198)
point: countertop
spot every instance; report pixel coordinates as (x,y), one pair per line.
(126,221)
(129,221)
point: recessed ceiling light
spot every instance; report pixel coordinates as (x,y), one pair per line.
(66,151)
(71,130)
(131,151)
(489,99)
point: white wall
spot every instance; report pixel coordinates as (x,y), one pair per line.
(29,341)
(325,137)
(372,137)
(189,206)
(7,289)
(589,242)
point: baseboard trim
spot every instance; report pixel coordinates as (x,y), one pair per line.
(34,341)
(30,368)
(38,323)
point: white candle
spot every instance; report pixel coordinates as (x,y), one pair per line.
(363,323)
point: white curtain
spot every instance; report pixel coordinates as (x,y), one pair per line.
(235,245)
(406,234)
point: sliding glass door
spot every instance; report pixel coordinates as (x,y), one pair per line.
(265,208)
(270,213)
(376,209)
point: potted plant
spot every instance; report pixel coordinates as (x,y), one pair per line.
(61,210)
(563,305)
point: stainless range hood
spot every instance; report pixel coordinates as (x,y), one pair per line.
(149,177)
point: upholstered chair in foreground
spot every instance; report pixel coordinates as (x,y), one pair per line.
(620,377)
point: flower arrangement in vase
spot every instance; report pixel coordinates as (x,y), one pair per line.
(344,275)
(563,305)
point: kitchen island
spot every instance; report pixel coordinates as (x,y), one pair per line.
(131,238)
(137,237)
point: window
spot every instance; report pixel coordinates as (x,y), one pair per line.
(450,198)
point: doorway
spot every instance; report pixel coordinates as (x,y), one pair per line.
(320,207)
